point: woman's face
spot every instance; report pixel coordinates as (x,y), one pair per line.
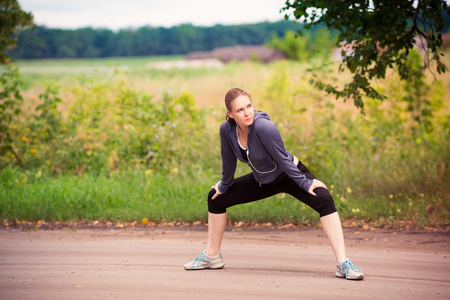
(242,111)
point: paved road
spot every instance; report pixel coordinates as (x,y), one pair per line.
(268,264)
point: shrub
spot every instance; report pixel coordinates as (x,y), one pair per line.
(104,127)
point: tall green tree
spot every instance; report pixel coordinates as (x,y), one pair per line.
(379,35)
(310,45)
(294,48)
(12,20)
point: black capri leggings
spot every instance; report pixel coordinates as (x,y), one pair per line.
(246,189)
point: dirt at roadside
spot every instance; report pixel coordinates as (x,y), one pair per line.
(413,241)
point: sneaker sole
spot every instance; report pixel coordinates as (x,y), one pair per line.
(205,268)
(360,277)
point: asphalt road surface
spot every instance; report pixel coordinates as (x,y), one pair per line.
(147,263)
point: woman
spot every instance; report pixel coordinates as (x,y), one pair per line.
(251,137)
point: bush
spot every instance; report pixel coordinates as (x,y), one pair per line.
(102,127)
(305,47)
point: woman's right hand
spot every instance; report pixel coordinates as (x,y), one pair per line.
(316,184)
(216,187)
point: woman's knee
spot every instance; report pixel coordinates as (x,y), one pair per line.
(325,202)
(214,205)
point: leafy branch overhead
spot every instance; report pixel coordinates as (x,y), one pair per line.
(12,20)
(376,36)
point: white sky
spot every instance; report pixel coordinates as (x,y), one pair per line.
(117,14)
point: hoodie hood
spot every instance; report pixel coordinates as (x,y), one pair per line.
(259,115)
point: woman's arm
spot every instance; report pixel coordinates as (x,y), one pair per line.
(229,160)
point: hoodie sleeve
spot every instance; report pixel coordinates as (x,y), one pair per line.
(229,159)
(271,139)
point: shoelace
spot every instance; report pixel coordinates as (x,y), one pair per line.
(197,259)
(347,263)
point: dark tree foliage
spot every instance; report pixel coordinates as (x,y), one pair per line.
(12,20)
(42,42)
(380,34)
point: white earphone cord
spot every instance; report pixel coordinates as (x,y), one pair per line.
(248,157)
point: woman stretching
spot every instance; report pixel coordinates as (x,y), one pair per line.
(250,136)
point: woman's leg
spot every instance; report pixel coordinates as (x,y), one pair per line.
(333,229)
(322,203)
(216,228)
(331,224)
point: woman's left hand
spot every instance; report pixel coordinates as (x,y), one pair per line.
(216,187)
(316,184)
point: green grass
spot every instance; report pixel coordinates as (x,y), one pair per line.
(124,197)
(132,196)
(36,72)
(138,61)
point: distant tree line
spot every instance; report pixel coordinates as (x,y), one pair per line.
(42,42)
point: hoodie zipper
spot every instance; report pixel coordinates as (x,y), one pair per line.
(250,163)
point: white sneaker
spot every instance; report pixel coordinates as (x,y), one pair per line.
(349,271)
(203,261)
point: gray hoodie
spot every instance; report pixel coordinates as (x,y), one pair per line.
(268,158)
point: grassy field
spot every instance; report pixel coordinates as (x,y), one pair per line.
(121,140)
(130,62)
